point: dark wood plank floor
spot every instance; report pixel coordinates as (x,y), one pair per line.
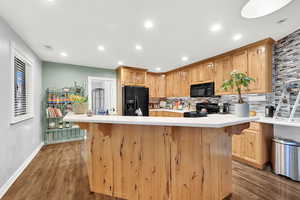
(58,173)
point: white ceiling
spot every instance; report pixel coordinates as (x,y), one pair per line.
(181,28)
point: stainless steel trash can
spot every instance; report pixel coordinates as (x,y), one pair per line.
(286,158)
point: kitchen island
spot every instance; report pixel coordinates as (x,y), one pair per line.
(160,158)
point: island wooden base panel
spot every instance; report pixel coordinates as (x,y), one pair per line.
(58,172)
(156,162)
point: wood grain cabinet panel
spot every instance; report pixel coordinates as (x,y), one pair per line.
(207,72)
(165,114)
(240,61)
(156,84)
(178,83)
(195,71)
(260,68)
(184,83)
(169,85)
(253,146)
(131,76)
(223,67)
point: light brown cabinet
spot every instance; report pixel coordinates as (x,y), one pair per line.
(240,61)
(259,62)
(132,76)
(202,73)
(253,145)
(165,114)
(223,67)
(178,83)
(156,84)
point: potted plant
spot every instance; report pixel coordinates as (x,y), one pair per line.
(238,81)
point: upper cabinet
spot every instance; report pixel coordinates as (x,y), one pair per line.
(131,76)
(207,72)
(156,83)
(255,60)
(260,68)
(223,67)
(202,72)
(240,61)
(178,83)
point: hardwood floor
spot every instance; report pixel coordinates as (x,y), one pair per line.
(58,173)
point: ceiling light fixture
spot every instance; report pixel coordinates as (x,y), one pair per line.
(120,63)
(101,48)
(138,47)
(63,54)
(158,69)
(148,24)
(215,27)
(237,37)
(184,58)
(260,8)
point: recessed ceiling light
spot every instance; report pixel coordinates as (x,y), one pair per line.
(215,27)
(64,54)
(148,24)
(184,58)
(50,0)
(158,69)
(260,8)
(101,48)
(237,37)
(138,47)
(120,63)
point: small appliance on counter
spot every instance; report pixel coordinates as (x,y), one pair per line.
(202,109)
(223,108)
(269,111)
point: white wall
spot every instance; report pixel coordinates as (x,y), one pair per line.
(19,141)
(287,132)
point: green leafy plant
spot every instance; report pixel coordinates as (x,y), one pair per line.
(237,81)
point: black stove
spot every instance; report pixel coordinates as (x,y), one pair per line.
(202,109)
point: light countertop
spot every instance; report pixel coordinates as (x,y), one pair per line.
(212,121)
(280,122)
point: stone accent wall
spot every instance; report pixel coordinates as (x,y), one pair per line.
(286,65)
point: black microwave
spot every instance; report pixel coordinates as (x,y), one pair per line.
(203,90)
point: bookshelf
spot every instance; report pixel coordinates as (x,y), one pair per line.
(58,103)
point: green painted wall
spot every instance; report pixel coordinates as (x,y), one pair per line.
(58,75)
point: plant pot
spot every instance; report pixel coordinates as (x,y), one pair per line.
(80,108)
(242,110)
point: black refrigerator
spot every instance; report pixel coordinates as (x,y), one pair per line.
(135,98)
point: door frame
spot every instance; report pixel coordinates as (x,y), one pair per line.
(114,87)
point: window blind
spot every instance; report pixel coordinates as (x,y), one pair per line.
(20,100)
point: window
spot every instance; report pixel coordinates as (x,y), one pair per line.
(22,97)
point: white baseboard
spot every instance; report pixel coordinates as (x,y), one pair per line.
(19,171)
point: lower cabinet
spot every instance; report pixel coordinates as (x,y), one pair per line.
(253,146)
(165,114)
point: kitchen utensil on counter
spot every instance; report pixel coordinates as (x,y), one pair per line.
(269,111)
(223,108)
